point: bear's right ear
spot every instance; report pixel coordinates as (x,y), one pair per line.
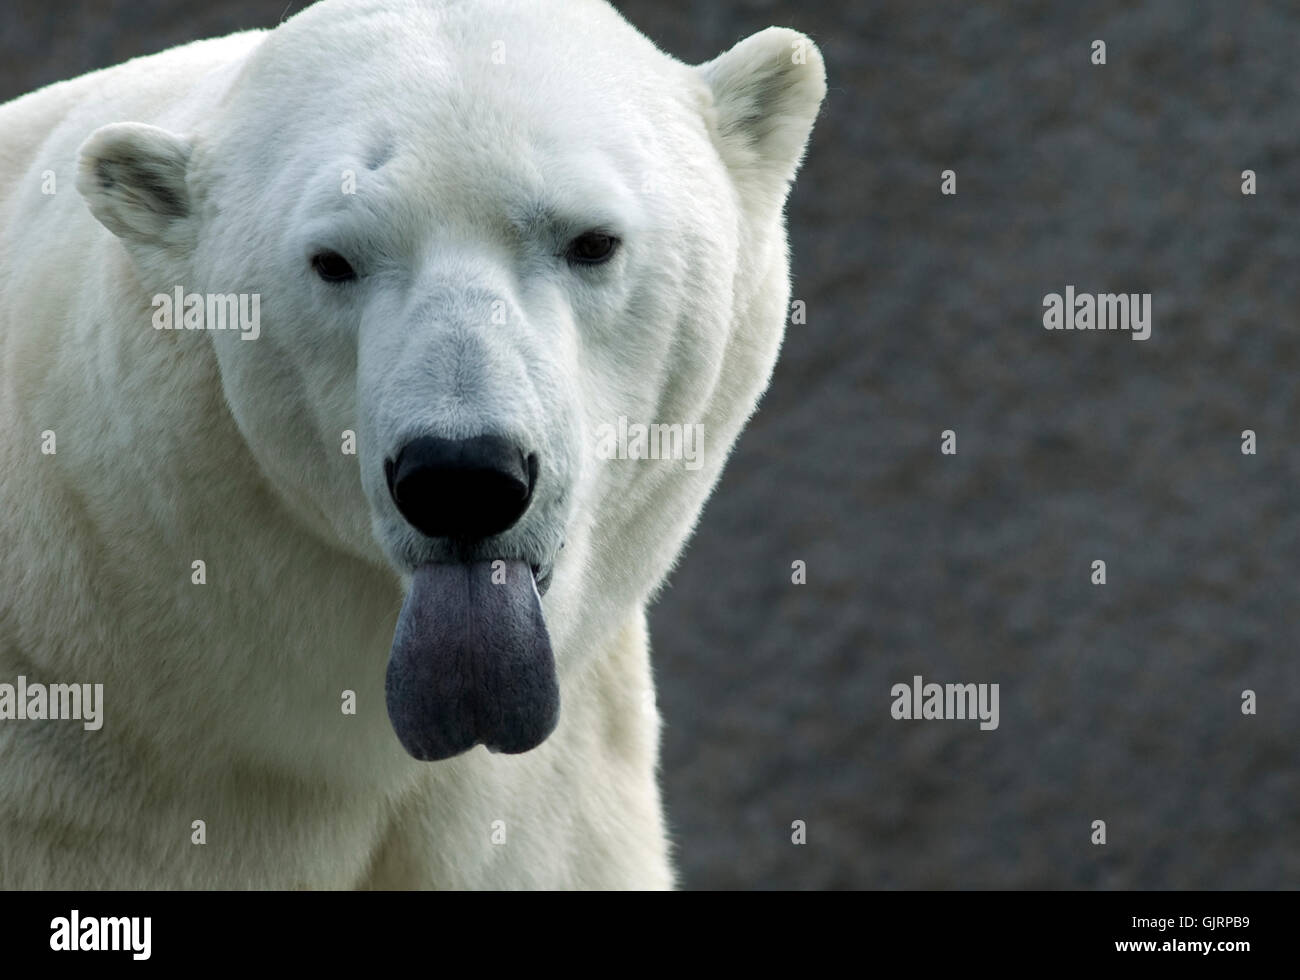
(767,91)
(133,177)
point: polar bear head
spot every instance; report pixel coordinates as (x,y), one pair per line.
(484,237)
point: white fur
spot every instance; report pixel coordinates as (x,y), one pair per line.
(222,701)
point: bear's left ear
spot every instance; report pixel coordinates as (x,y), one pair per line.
(133,177)
(766,93)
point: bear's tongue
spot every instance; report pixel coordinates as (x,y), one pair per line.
(471,662)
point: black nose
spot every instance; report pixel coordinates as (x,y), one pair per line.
(461,488)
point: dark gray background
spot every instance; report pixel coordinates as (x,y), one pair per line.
(924,313)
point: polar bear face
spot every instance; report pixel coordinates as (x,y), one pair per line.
(480,234)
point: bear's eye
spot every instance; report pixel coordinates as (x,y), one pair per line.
(332,267)
(591,248)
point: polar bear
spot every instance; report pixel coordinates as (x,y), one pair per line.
(308,337)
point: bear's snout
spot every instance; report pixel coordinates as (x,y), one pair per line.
(464,489)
